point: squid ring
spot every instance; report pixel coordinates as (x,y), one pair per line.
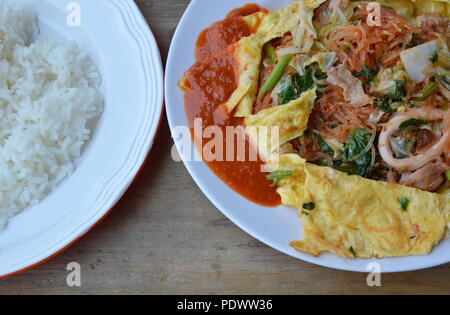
(415,162)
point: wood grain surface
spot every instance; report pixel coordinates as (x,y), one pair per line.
(165,237)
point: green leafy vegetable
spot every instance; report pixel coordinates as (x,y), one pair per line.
(270,52)
(321,75)
(288,91)
(427,91)
(398,92)
(299,84)
(306,82)
(352,250)
(404,203)
(411,123)
(278,176)
(354,151)
(324,147)
(386,107)
(395,95)
(309,206)
(276,74)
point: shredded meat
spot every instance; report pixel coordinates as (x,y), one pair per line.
(352,87)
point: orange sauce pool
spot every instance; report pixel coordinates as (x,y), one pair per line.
(210,83)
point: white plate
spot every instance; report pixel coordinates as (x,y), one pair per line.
(274,226)
(119,41)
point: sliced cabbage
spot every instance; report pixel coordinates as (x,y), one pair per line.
(443,56)
(401,147)
(387,79)
(418,59)
(443,65)
(325,60)
(338,17)
(305,35)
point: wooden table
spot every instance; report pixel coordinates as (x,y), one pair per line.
(165,237)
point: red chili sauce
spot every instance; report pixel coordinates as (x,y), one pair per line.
(210,83)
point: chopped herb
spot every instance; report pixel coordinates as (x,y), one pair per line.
(367,73)
(404,202)
(278,176)
(305,213)
(411,123)
(352,250)
(435,57)
(324,147)
(447,174)
(427,91)
(276,74)
(309,206)
(270,52)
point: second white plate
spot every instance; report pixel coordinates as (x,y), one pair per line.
(118,39)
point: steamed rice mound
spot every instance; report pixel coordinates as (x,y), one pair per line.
(48,93)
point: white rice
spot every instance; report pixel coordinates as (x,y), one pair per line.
(48,93)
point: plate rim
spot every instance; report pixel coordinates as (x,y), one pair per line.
(222,208)
(135,16)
